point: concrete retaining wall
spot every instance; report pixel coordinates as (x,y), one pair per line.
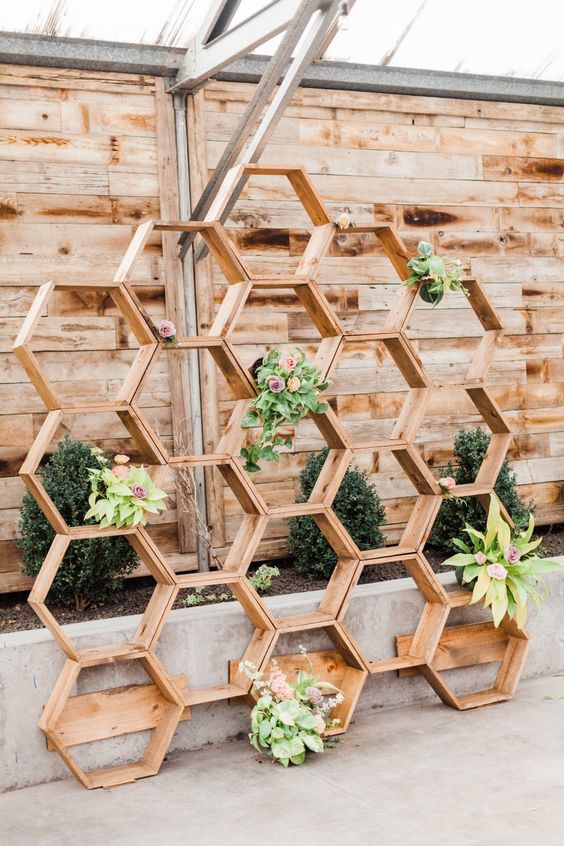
(200,640)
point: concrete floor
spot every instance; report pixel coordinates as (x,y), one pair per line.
(412,777)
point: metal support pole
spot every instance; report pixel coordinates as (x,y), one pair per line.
(185,207)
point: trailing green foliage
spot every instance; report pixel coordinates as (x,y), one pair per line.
(469,450)
(503,567)
(289,389)
(357,506)
(92,570)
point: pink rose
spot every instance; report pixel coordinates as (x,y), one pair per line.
(315,695)
(167,329)
(276,384)
(288,362)
(293,384)
(139,491)
(480,558)
(319,726)
(511,554)
(120,471)
(121,459)
(497,571)
(280,688)
(447,483)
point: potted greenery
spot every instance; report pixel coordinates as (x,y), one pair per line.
(434,275)
(502,567)
(291,718)
(122,495)
(288,390)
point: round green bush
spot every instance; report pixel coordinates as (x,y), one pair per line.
(357,506)
(92,570)
(469,450)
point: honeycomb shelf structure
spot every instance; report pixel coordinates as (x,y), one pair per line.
(70,720)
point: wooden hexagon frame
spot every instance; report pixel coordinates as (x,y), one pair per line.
(128,307)
(69,720)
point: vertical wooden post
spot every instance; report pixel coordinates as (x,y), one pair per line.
(174,286)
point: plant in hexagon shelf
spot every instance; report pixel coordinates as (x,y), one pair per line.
(289,389)
(93,569)
(290,719)
(122,495)
(503,569)
(436,275)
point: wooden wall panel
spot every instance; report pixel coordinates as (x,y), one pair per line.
(481,181)
(79,169)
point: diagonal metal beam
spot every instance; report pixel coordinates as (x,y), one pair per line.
(229,185)
(251,116)
(205,58)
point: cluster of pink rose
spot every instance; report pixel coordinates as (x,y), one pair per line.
(277,384)
(121,471)
(497,570)
(281,690)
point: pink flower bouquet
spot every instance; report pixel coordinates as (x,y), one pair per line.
(503,569)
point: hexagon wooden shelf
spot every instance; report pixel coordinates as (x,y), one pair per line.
(69,720)
(469,646)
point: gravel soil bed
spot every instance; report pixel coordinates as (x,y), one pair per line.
(16,614)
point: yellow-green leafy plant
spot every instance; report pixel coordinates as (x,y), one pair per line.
(502,567)
(291,719)
(436,275)
(123,495)
(289,389)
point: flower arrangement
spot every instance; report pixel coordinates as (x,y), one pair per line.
(290,719)
(344,221)
(167,332)
(289,389)
(502,568)
(436,275)
(123,494)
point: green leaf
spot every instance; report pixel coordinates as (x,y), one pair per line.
(481,586)
(264,729)
(250,420)
(298,759)
(460,559)
(307,721)
(313,742)
(470,572)
(503,534)
(493,521)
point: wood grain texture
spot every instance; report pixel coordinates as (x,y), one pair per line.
(481,181)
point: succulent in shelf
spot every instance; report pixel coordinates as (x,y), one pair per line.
(502,567)
(123,495)
(435,275)
(291,719)
(288,390)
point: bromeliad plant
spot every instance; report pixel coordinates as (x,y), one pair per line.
(503,569)
(290,719)
(123,495)
(289,389)
(436,275)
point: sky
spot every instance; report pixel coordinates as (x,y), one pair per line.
(500,37)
